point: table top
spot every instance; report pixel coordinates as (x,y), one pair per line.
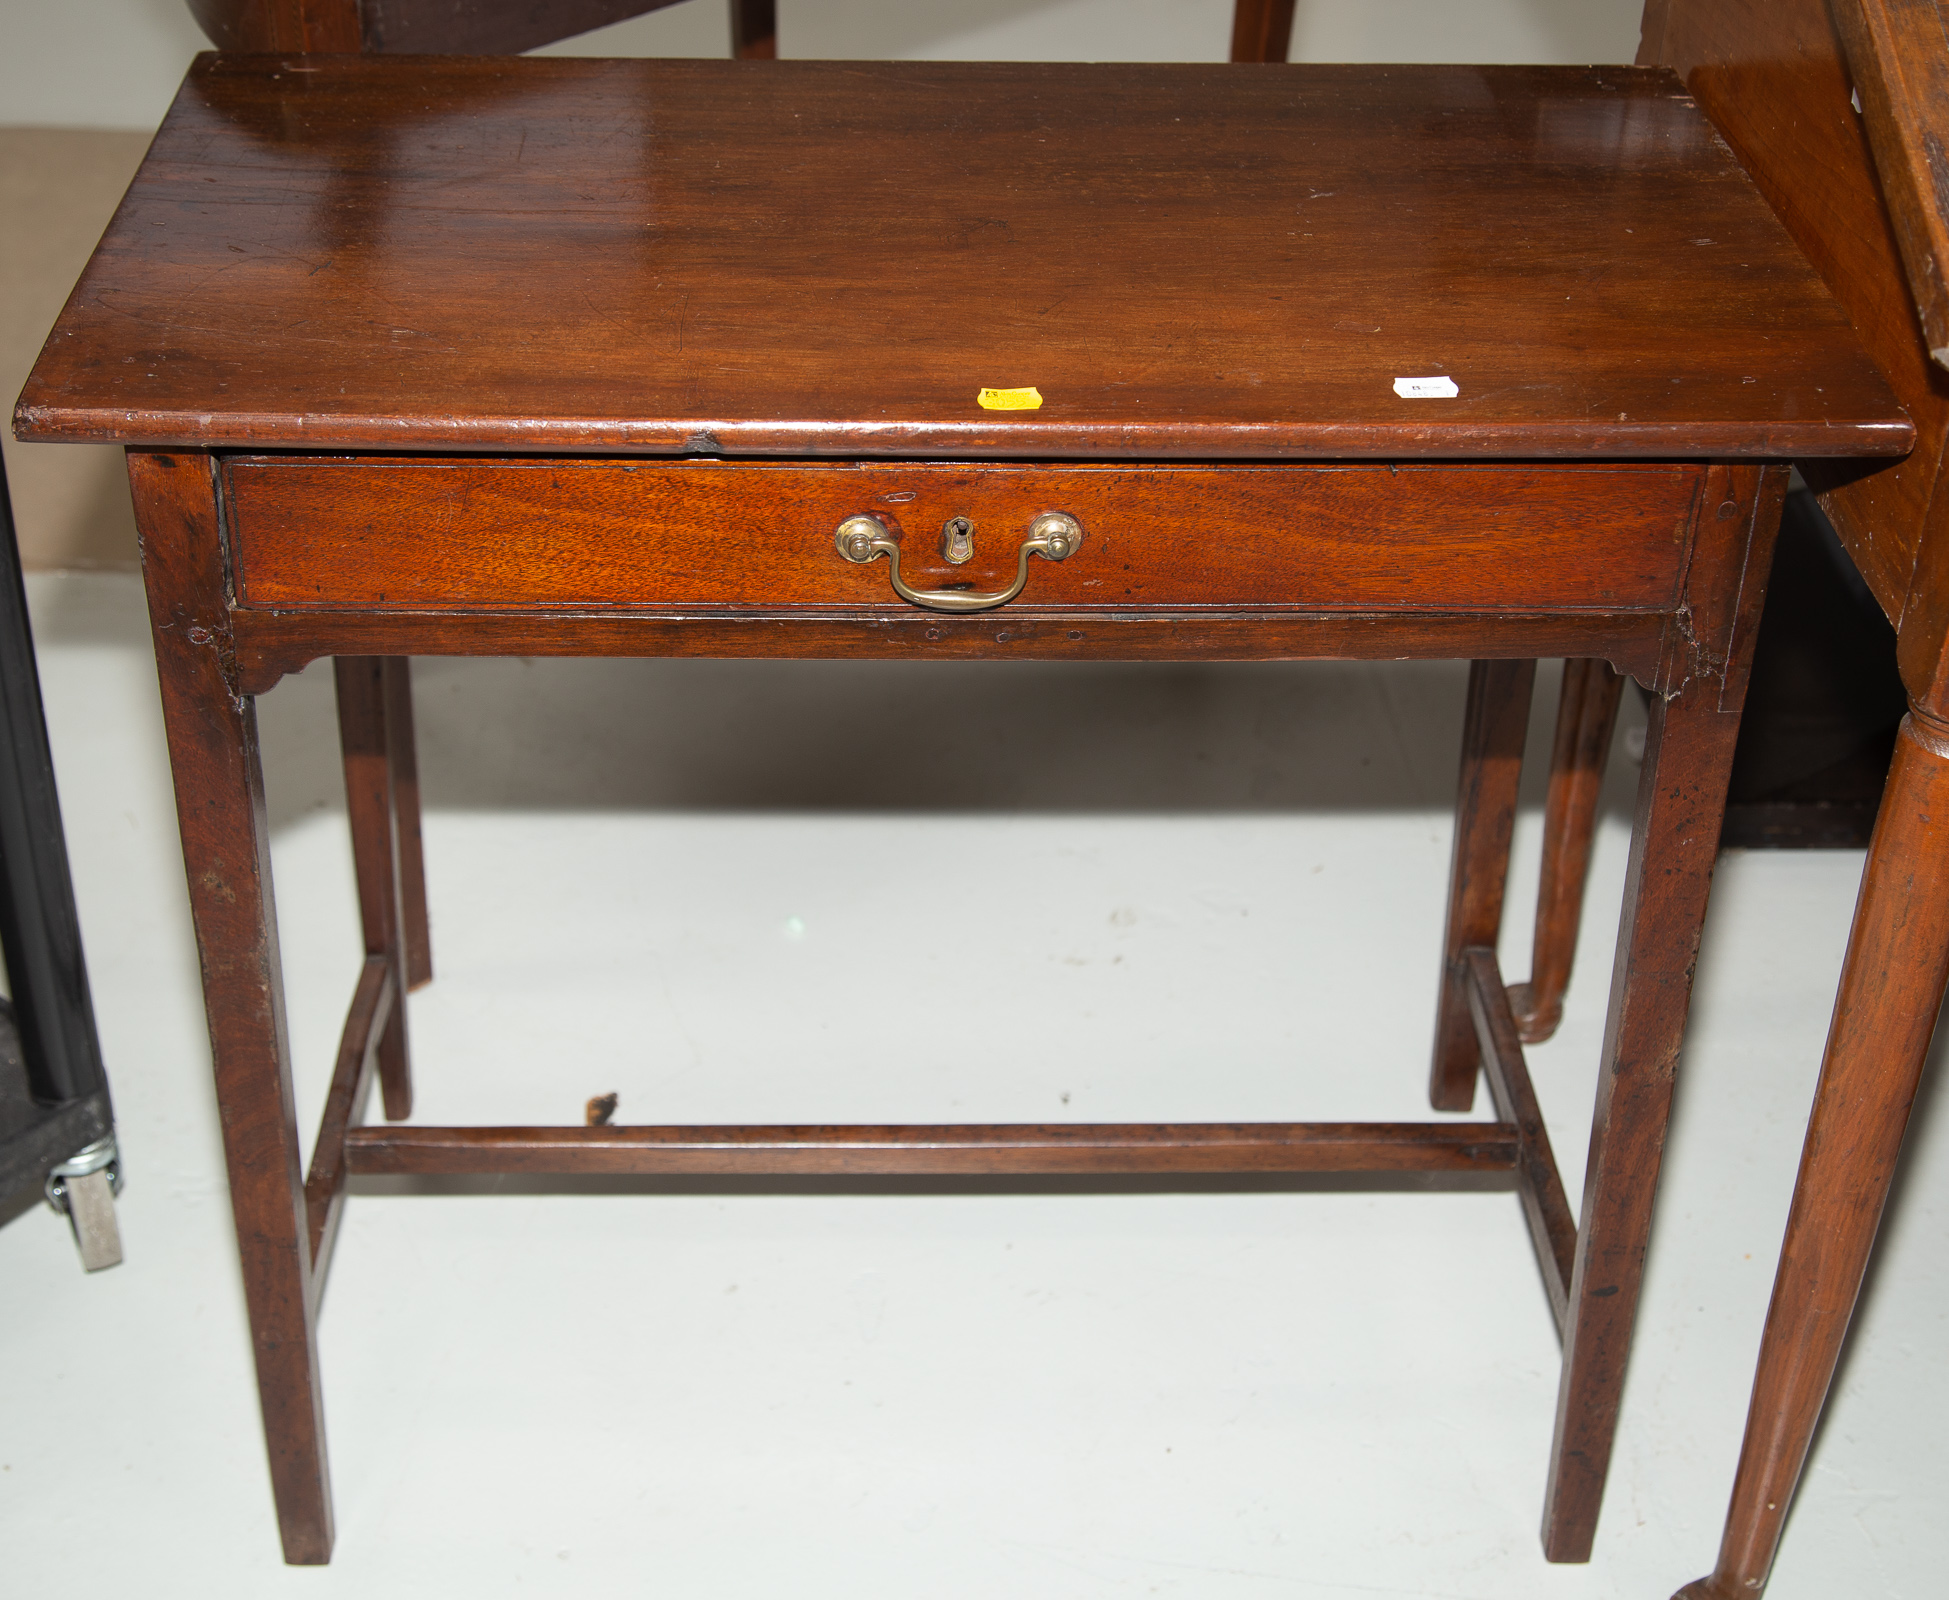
(807,258)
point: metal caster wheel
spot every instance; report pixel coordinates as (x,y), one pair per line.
(83,1189)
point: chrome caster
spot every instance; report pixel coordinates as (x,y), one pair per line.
(83,1189)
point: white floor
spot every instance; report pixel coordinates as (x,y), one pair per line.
(827,892)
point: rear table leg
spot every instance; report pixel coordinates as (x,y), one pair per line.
(369,735)
(1493,730)
(1262,30)
(403,749)
(754,30)
(1586,714)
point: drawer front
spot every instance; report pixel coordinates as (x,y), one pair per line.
(386,534)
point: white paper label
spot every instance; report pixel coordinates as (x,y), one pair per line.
(1426,388)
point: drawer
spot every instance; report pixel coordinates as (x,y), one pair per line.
(392,534)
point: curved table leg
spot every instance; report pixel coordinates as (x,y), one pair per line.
(1884,1016)
(1586,714)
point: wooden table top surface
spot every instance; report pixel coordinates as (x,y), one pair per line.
(805,258)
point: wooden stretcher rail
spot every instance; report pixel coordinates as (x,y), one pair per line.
(1552,1229)
(358,1049)
(908,1151)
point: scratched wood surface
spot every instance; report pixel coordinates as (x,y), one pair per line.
(703,257)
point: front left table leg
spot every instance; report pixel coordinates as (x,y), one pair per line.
(219,784)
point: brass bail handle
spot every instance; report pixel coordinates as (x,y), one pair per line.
(1054,536)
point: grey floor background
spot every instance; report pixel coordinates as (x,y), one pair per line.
(835,891)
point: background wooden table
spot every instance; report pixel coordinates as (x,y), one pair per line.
(1836,112)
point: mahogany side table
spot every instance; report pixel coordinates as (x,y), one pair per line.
(916,361)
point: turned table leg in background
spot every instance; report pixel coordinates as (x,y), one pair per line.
(1493,730)
(226,852)
(1884,1017)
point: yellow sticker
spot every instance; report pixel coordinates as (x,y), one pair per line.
(1010,399)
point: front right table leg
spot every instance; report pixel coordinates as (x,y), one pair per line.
(1681,800)
(1884,1016)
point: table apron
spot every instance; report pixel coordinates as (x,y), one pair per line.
(266,645)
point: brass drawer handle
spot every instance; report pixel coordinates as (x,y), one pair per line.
(1054,535)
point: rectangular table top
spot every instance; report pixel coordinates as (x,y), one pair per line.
(805,258)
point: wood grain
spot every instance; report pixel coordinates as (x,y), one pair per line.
(386,535)
(374,999)
(271,644)
(1897,52)
(1552,1230)
(447,253)
(1891,991)
(372,817)
(213,757)
(1212,273)
(1713,634)
(1773,77)
(970,1149)
(1681,801)
(1780,78)
(1586,713)
(1494,726)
